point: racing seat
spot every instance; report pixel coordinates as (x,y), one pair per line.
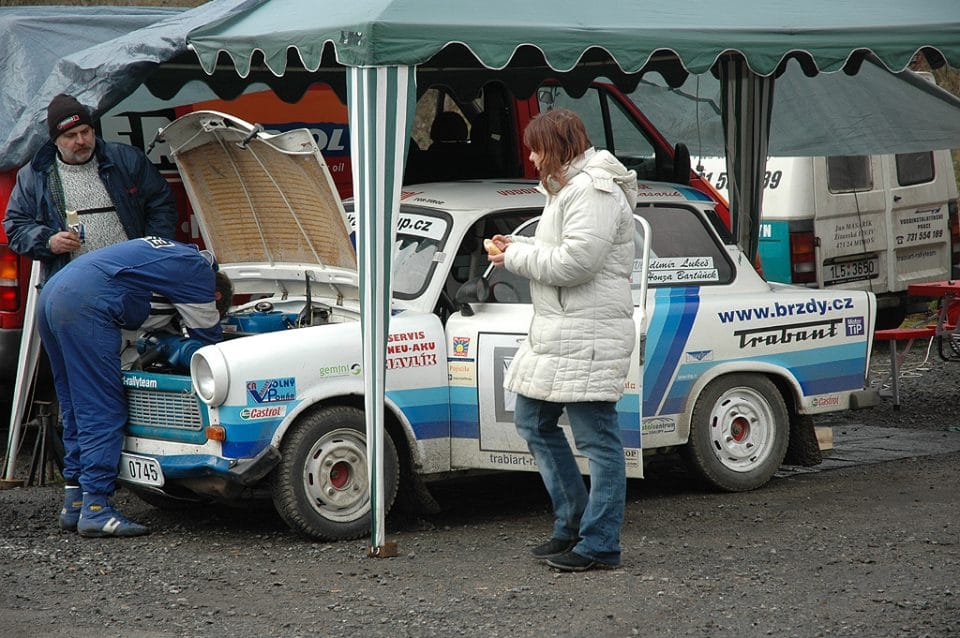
(448,157)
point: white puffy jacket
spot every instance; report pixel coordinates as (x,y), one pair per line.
(579,264)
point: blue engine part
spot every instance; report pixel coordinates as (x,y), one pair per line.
(257,322)
(175,349)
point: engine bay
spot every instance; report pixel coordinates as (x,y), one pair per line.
(168,352)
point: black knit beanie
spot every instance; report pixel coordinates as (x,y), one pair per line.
(63,113)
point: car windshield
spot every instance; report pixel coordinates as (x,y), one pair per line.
(420,236)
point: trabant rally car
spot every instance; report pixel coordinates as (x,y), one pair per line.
(726,363)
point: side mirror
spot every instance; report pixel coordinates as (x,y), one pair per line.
(476,290)
(546,96)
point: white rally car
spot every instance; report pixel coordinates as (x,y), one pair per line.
(727,365)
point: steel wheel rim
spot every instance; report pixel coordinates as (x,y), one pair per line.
(742,427)
(335,475)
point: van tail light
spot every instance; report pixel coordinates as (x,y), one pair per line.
(9,280)
(954,221)
(803,257)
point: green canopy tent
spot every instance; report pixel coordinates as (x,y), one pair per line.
(382,42)
(874,112)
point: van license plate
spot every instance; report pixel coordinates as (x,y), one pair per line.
(140,469)
(851,271)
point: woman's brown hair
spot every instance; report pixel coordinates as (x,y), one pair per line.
(559,137)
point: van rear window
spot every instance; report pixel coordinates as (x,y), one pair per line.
(914,168)
(849,173)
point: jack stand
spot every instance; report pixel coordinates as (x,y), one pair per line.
(42,460)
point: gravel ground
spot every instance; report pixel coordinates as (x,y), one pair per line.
(871,550)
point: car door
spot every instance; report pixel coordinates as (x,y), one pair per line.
(482,343)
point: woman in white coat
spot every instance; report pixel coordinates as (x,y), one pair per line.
(576,355)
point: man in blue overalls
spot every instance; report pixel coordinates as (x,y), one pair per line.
(82,310)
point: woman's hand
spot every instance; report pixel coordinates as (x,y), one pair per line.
(496,249)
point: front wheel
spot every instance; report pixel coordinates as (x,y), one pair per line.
(739,431)
(320,487)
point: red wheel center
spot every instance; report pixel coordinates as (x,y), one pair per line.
(340,474)
(740,429)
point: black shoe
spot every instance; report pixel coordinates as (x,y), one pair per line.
(553,548)
(574,562)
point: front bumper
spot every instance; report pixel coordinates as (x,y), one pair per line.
(244,472)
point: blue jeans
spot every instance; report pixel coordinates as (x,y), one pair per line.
(82,341)
(595,517)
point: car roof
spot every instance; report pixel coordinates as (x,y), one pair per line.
(503,194)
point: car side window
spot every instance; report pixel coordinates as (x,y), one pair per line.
(471,259)
(684,252)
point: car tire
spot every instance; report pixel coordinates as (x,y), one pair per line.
(739,431)
(320,487)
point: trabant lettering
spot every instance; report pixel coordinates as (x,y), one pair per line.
(786,334)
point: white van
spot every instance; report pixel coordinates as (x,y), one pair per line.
(864,222)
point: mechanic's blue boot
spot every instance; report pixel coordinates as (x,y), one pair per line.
(70,514)
(99,518)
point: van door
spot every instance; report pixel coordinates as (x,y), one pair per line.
(852,237)
(882,224)
(919,234)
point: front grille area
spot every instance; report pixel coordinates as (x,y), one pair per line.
(151,408)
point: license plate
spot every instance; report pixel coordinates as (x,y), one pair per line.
(851,271)
(140,469)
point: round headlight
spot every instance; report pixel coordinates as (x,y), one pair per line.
(211,380)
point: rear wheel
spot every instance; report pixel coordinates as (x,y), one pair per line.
(320,488)
(739,432)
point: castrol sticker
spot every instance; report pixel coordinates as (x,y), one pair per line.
(270,412)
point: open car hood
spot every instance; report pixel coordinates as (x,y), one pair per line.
(266,205)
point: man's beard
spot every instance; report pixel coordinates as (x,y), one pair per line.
(79,157)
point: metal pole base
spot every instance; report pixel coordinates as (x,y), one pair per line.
(387,550)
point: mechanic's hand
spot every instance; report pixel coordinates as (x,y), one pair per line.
(66,241)
(496,257)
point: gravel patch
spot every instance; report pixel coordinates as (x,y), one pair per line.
(870,549)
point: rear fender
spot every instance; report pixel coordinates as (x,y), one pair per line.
(787,384)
